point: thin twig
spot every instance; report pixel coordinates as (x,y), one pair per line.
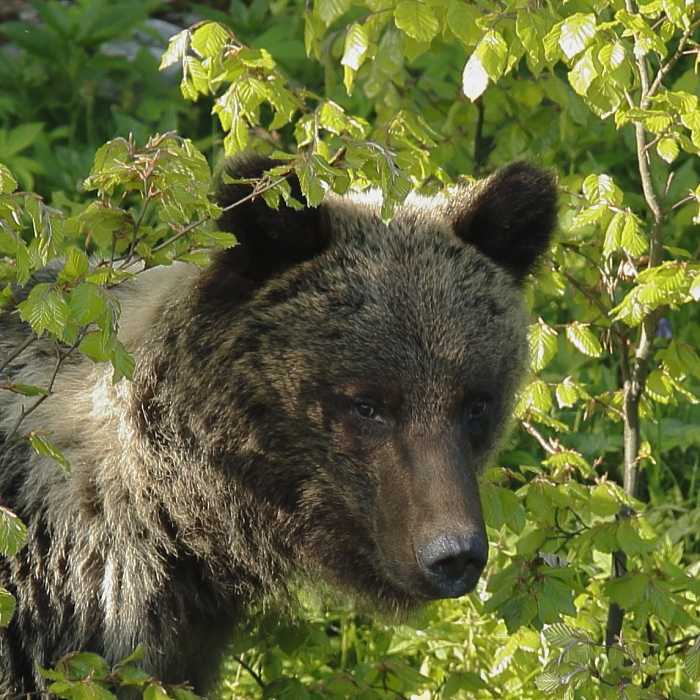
(60,359)
(237,203)
(544,443)
(685,640)
(666,67)
(587,292)
(18,350)
(137,225)
(247,667)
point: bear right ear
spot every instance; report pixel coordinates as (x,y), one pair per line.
(269,240)
(510,217)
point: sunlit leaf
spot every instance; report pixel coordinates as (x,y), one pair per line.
(13,533)
(417,20)
(576,33)
(583,340)
(474,78)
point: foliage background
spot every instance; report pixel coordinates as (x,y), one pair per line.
(593,511)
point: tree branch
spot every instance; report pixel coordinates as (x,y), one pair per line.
(635,375)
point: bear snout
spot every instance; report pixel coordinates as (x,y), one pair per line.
(452,564)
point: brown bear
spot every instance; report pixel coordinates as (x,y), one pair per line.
(317,403)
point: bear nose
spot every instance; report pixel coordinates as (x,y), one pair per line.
(452,564)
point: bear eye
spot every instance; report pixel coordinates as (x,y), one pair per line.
(476,420)
(478,407)
(367,410)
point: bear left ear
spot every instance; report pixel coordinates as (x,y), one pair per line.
(510,217)
(269,240)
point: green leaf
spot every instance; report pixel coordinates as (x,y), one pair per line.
(531,30)
(568,459)
(136,655)
(256,58)
(583,73)
(129,675)
(601,189)
(354,53)
(26,389)
(611,55)
(628,539)
(576,34)
(237,138)
(330,10)
(583,340)
(543,344)
(474,78)
(84,665)
(356,43)
(549,682)
(631,239)
(155,692)
(568,392)
(668,148)
(561,635)
(7,607)
(43,225)
(13,533)
(45,309)
(417,20)
(628,590)
(177,49)
(332,118)
(462,21)
(538,396)
(43,446)
(311,186)
(195,80)
(76,266)
(98,345)
(7,182)
(182,694)
(518,610)
(660,387)
(88,303)
(689,359)
(89,690)
(19,138)
(604,500)
(661,601)
(122,362)
(209,39)
(692,661)
(492,53)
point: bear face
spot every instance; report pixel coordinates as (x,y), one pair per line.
(364,373)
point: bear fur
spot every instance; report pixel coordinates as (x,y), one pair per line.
(317,403)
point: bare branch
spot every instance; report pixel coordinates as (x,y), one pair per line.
(545,444)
